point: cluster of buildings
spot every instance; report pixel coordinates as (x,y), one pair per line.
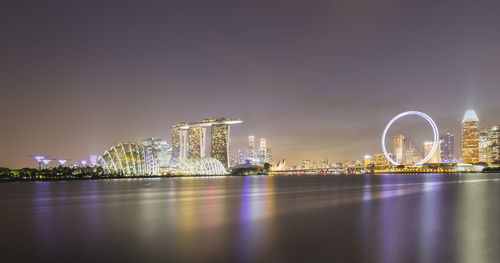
(197,148)
(189,140)
(253,155)
(478,145)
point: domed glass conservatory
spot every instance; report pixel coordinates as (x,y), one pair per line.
(125,158)
(201,166)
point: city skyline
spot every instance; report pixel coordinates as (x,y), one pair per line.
(190,137)
(320,81)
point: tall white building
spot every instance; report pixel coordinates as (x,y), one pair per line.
(263,151)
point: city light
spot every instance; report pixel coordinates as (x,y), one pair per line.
(46,162)
(39,159)
(62,161)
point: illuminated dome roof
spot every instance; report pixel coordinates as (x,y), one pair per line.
(201,166)
(125,158)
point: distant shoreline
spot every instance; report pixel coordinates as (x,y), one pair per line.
(229,175)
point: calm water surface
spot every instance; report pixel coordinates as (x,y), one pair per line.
(387,218)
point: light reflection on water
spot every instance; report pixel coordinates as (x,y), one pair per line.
(388,218)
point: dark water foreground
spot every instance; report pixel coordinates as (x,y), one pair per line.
(384,218)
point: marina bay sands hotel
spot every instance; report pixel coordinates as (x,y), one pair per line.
(189,140)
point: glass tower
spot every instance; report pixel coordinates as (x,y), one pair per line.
(470,138)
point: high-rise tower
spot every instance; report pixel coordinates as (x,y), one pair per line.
(263,151)
(197,141)
(398,143)
(470,138)
(447,146)
(493,153)
(220,143)
(483,145)
(189,140)
(179,143)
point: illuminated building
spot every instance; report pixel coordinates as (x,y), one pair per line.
(39,159)
(263,143)
(269,153)
(436,157)
(493,153)
(483,145)
(368,160)
(324,163)
(306,164)
(201,166)
(447,146)
(220,143)
(176,146)
(179,143)
(189,140)
(62,161)
(251,149)
(156,154)
(379,159)
(409,152)
(398,143)
(470,138)
(263,151)
(241,157)
(281,165)
(126,159)
(197,142)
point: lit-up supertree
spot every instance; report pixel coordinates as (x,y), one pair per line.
(93,160)
(84,163)
(62,161)
(46,162)
(39,159)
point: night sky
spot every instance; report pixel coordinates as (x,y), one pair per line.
(318,78)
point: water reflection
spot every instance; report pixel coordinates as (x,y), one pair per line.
(389,218)
(257,204)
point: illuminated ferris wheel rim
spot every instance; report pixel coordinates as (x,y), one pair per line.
(428,119)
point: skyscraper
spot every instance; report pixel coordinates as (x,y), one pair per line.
(483,145)
(470,138)
(436,157)
(157,154)
(197,141)
(398,143)
(409,157)
(220,143)
(179,143)
(447,146)
(189,140)
(263,151)
(493,153)
(251,148)
(494,143)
